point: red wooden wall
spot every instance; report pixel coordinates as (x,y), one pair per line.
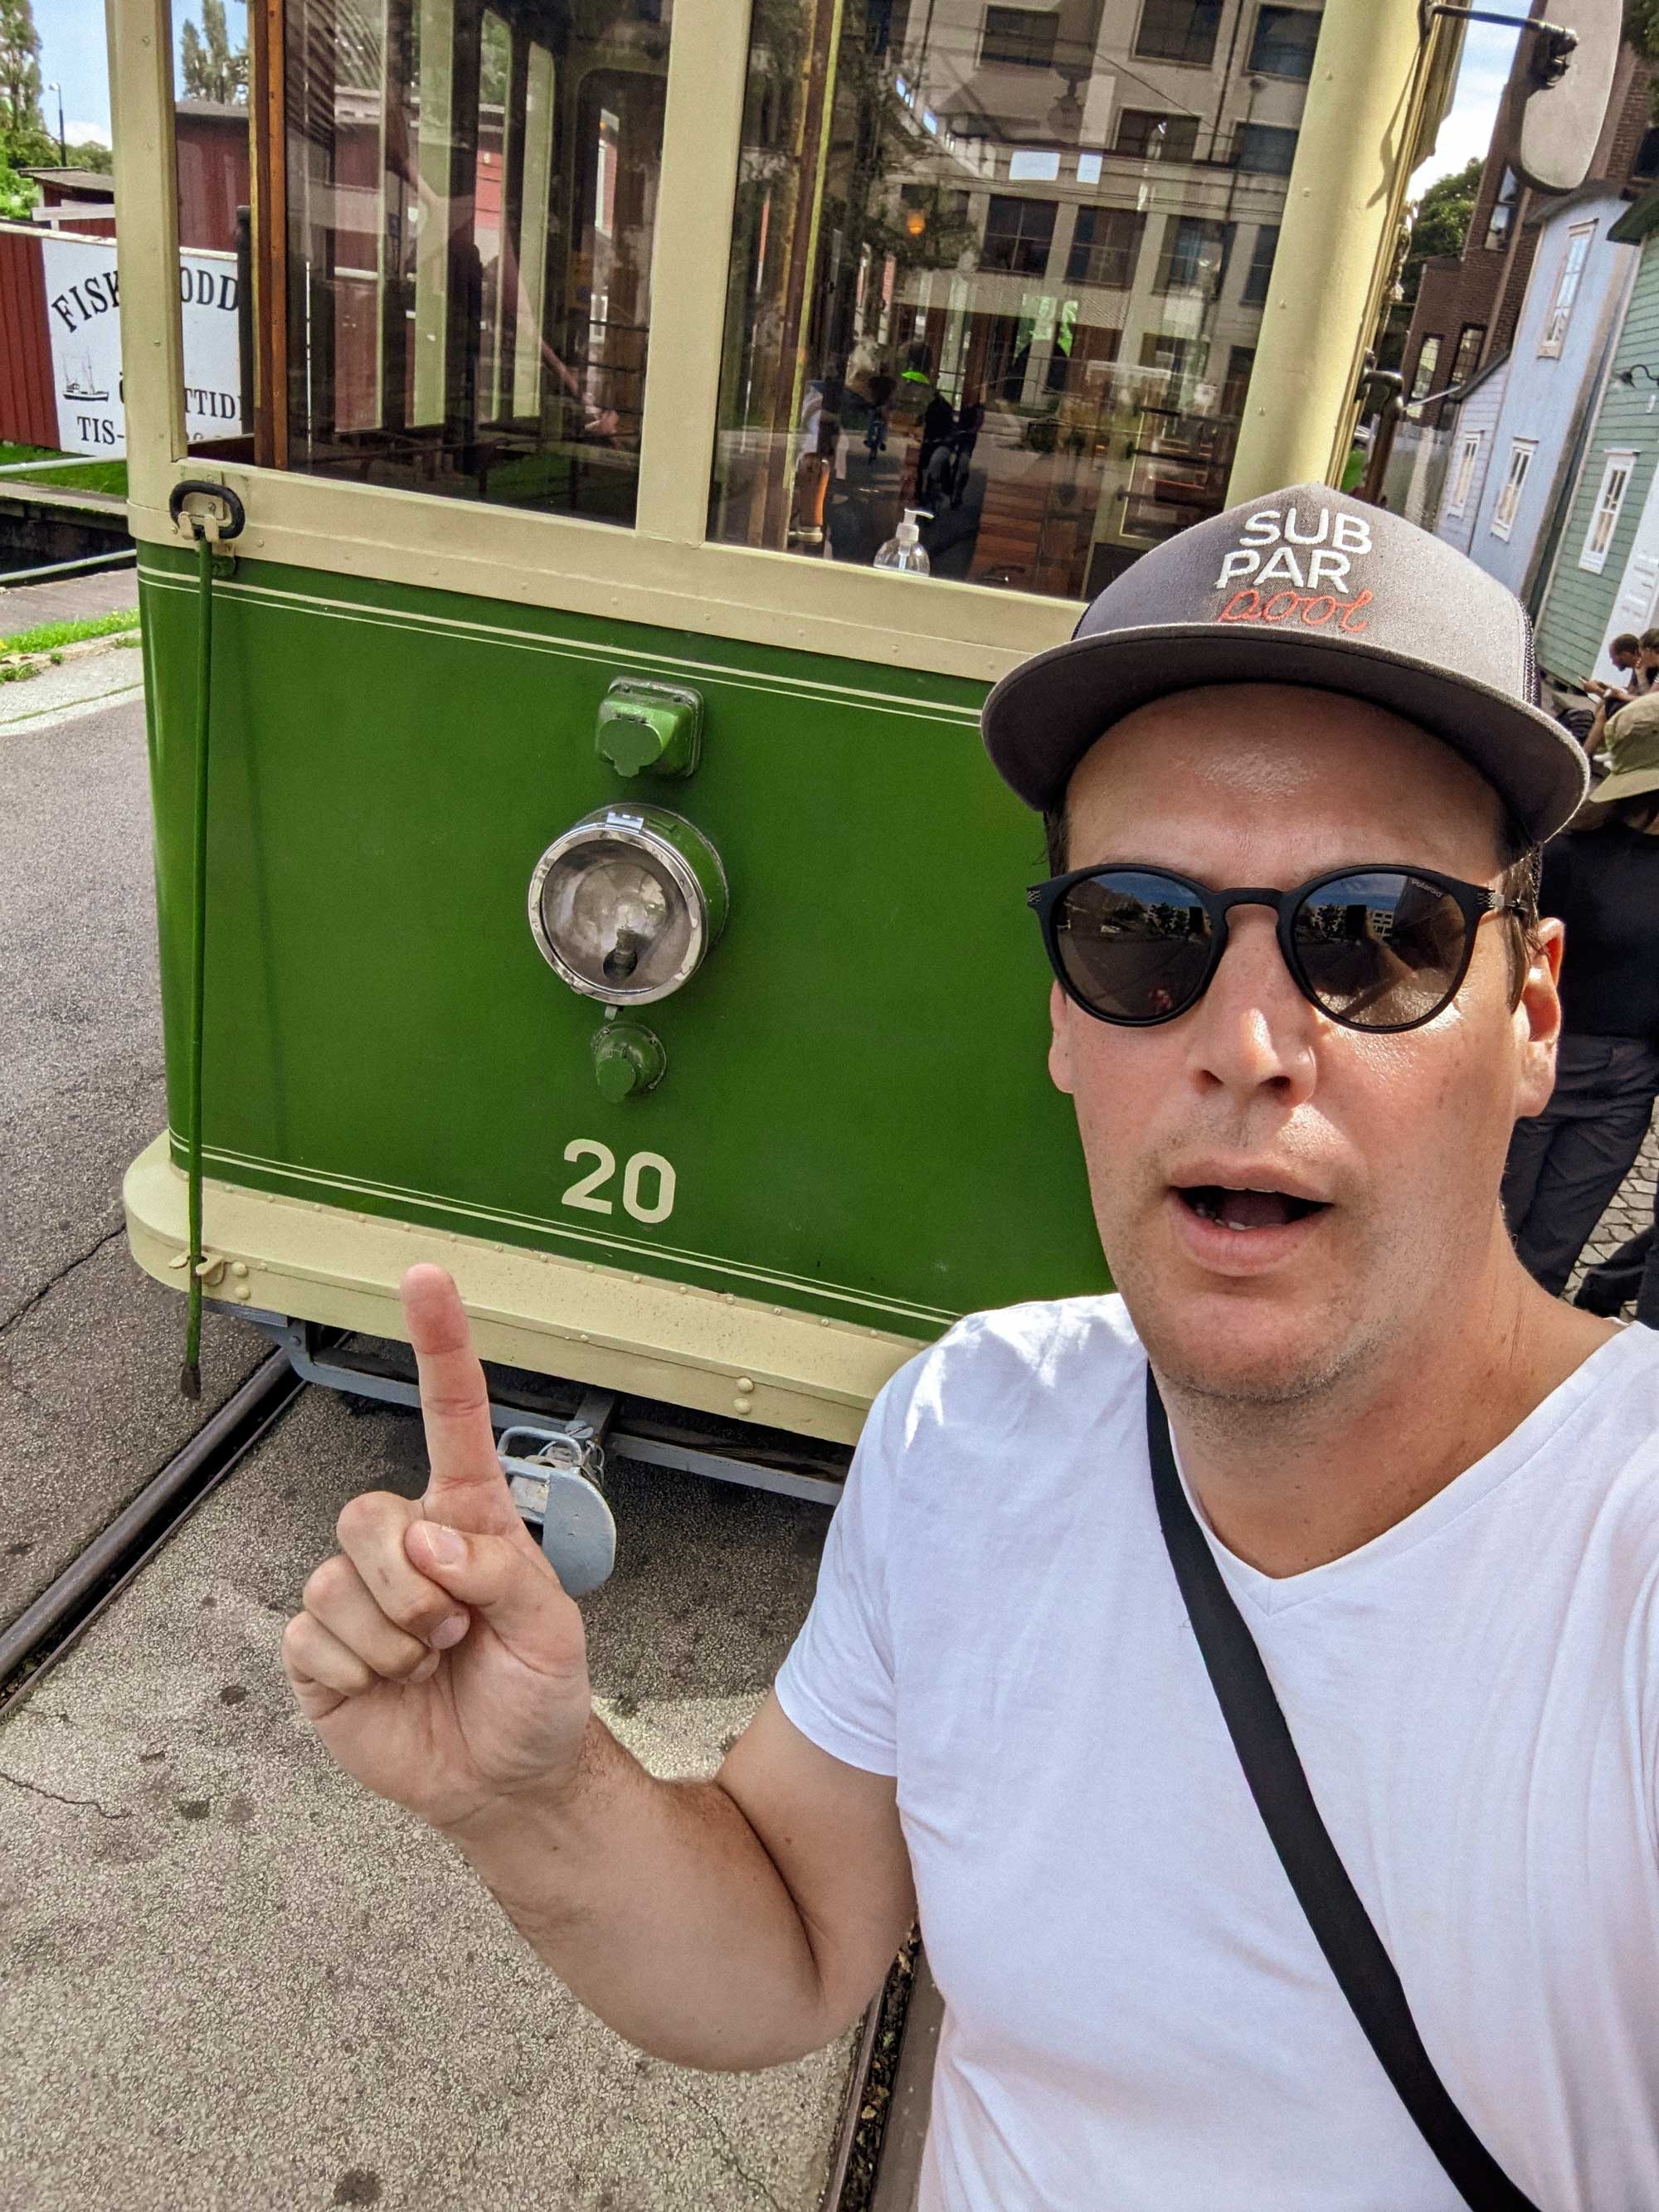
(28,403)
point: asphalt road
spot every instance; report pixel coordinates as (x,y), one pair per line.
(90,1347)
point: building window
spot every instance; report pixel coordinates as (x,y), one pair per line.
(1265,147)
(1428,357)
(1179,31)
(1105,246)
(1194,257)
(1017,234)
(1503,210)
(1604,516)
(1285,41)
(1259,273)
(1566,287)
(1470,340)
(1022,37)
(1150,136)
(1169,357)
(1468,453)
(1520,453)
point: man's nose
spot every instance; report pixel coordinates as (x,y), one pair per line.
(1253,1030)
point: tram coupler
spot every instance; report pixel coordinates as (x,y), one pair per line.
(554,1471)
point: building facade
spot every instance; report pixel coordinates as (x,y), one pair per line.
(1604,577)
(1515,441)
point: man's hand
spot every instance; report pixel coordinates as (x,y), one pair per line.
(437,1656)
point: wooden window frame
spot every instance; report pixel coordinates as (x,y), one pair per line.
(1621,462)
(1525,451)
(1557,319)
(1463,469)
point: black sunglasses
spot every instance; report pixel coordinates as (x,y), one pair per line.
(1374,947)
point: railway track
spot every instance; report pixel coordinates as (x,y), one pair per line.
(876,2154)
(72,1600)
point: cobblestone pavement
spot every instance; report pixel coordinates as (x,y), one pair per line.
(1631,1210)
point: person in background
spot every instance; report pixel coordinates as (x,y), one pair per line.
(1624,653)
(1602,878)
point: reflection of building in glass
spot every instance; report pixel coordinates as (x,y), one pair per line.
(471,198)
(1005,262)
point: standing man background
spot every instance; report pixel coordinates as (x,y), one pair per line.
(1302,997)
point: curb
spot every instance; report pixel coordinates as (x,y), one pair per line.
(18,667)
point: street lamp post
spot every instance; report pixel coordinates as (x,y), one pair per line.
(63,151)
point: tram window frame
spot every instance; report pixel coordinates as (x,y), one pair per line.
(670,571)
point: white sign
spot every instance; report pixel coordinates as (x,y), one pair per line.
(82,302)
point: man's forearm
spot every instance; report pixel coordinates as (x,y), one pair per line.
(658,1905)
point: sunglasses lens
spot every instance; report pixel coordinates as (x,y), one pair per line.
(1134,945)
(1383,949)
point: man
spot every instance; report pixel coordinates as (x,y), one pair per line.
(1429,1486)
(1602,880)
(1626,654)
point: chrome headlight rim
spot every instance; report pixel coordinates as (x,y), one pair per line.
(686,856)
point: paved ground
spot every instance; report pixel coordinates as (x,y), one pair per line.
(25,605)
(90,1347)
(236,1980)
(1632,1210)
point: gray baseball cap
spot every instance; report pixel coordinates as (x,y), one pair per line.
(1305,586)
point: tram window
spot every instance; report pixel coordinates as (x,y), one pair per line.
(470,193)
(988,290)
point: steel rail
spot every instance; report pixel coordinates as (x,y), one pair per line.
(46,1629)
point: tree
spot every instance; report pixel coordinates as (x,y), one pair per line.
(210,70)
(1437,224)
(1440,222)
(20,66)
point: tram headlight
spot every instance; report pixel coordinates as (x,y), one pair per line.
(627,903)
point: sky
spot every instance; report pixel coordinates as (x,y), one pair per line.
(73,53)
(1488,55)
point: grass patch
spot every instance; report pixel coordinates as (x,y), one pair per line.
(64,469)
(1355,467)
(48,637)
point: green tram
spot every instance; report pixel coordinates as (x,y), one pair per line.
(604,890)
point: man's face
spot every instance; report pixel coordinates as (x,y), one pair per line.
(1623,659)
(1399,1139)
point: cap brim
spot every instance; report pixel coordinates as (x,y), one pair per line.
(1043,716)
(1635,783)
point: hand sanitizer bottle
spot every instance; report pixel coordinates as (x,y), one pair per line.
(905,549)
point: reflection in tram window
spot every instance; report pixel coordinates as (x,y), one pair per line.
(471,196)
(1005,264)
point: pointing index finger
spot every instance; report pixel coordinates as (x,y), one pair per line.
(467,1489)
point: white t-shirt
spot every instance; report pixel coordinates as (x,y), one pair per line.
(1137,2016)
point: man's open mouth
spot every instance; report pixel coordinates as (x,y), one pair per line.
(1246,1209)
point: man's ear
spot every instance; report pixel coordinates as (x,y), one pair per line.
(1060,1040)
(1538,1019)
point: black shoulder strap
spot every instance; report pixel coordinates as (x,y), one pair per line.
(1339,1921)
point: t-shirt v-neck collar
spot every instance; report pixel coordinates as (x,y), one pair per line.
(1274,1593)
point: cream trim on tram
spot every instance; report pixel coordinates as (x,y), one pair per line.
(1364,124)
(708,1349)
